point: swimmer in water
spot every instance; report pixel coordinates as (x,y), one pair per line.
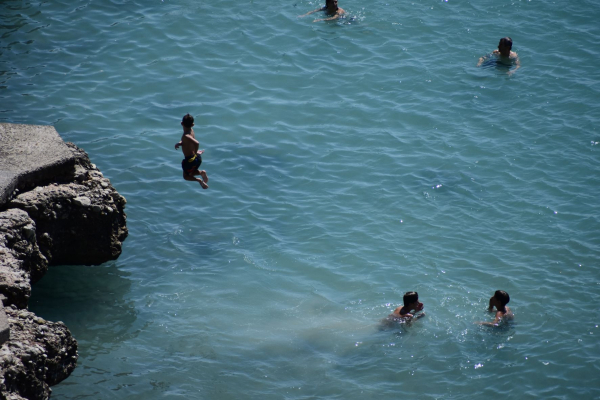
(193,156)
(499,300)
(405,313)
(504,54)
(331,8)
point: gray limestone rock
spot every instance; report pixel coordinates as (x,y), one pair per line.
(56,207)
(20,258)
(77,223)
(4,326)
(35,357)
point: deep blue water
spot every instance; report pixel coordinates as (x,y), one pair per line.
(349,162)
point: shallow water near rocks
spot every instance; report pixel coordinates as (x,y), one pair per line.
(349,162)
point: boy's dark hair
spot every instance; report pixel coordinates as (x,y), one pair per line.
(507,42)
(187,121)
(410,297)
(502,297)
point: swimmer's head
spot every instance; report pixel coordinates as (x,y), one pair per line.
(502,297)
(505,42)
(187,121)
(410,298)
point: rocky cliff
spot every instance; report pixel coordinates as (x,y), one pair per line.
(56,208)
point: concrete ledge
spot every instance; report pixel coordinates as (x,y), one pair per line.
(8,181)
(31,155)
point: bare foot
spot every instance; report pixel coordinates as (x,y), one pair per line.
(204,185)
(204,176)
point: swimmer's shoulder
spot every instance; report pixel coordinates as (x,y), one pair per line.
(398,315)
(508,314)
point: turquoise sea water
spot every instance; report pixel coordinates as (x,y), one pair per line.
(349,162)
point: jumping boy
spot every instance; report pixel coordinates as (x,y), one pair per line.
(504,54)
(499,300)
(404,313)
(193,156)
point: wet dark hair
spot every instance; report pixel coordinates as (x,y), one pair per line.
(502,297)
(328,3)
(187,121)
(506,41)
(410,297)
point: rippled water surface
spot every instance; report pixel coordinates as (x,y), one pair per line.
(349,162)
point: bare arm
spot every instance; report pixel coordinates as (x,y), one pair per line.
(496,321)
(517,65)
(486,57)
(194,143)
(337,14)
(419,308)
(327,19)
(178,144)
(310,12)
(189,145)
(483,58)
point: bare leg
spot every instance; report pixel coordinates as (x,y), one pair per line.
(201,173)
(201,182)
(204,176)
(191,177)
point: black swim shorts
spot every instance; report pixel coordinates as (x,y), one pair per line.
(191,164)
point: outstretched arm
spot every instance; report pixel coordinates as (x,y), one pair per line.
(482,59)
(178,144)
(314,11)
(486,57)
(337,14)
(495,322)
(327,19)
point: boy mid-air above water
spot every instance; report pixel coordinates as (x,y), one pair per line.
(193,156)
(499,300)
